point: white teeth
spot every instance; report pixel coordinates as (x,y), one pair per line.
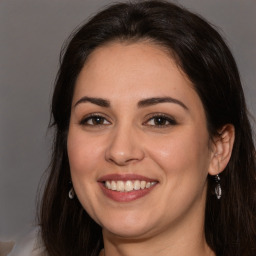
(119,186)
(142,184)
(113,185)
(126,186)
(136,185)
(108,184)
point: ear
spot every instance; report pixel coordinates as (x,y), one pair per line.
(222,146)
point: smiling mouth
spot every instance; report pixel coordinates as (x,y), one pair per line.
(129,185)
(125,188)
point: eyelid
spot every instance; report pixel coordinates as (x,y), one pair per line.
(87,117)
(168,118)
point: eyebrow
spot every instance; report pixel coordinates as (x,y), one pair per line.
(97,101)
(142,103)
(154,101)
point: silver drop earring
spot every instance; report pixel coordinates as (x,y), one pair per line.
(71,193)
(218,191)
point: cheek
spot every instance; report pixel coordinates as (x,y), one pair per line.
(184,161)
(83,153)
(184,152)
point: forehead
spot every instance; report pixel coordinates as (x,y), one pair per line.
(118,63)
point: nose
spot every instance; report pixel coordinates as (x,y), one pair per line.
(124,147)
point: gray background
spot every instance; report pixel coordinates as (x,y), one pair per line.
(31,35)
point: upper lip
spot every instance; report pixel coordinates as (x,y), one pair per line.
(124,177)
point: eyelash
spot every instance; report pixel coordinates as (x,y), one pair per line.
(92,117)
(171,121)
(161,117)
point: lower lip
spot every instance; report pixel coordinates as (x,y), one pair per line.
(125,196)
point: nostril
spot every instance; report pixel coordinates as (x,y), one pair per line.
(122,158)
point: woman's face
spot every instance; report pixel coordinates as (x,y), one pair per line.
(138,146)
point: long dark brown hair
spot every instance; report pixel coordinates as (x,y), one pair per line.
(199,50)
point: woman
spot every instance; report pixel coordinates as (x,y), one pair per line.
(153,151)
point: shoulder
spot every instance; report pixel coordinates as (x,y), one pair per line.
(30,245)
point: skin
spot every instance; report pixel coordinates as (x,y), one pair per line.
(178,154)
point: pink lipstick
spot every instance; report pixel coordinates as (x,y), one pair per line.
(126,187)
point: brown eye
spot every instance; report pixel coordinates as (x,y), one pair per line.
(160,121)
(95,120)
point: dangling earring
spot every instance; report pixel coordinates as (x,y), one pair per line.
(71,193)
(218,191)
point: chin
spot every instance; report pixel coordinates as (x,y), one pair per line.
(130,228)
